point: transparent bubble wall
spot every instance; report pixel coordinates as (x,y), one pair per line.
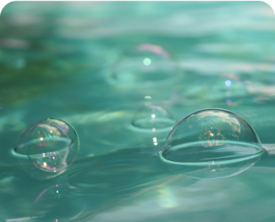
(145,62)
(153,118)
(211,135)
(52,144)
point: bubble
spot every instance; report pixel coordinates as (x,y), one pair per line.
(58,203)
(145,62)
(229,102)
(153,118)
(228,83)
(20,153)
(214,142)
(224,88)
(52,145)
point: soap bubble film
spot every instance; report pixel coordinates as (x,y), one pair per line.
(20,153)
(52,145)
(143,63)
(211,135)
(153,118)
(57,59)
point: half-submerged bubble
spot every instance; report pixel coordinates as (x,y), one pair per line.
(145,62)
(212,143)
(52,145)
(153,118)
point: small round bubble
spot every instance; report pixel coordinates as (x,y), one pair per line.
(52,145)
(211,136)
(153,118)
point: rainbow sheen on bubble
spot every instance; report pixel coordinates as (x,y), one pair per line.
(211,143)
(211,135)
(144,63)
(52,145)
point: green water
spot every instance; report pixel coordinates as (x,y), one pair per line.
(57,59)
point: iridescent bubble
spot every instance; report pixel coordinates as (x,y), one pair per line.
(212,142)
(145,62)
(58,203)
(52,145)
(20,153)
(225,88)
(229,102)
(153,118)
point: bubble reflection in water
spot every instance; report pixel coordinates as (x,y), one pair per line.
(58,203)
(211,143)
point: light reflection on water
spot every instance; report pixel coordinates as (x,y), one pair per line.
(58,62)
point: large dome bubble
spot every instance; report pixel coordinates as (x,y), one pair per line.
(211,135)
